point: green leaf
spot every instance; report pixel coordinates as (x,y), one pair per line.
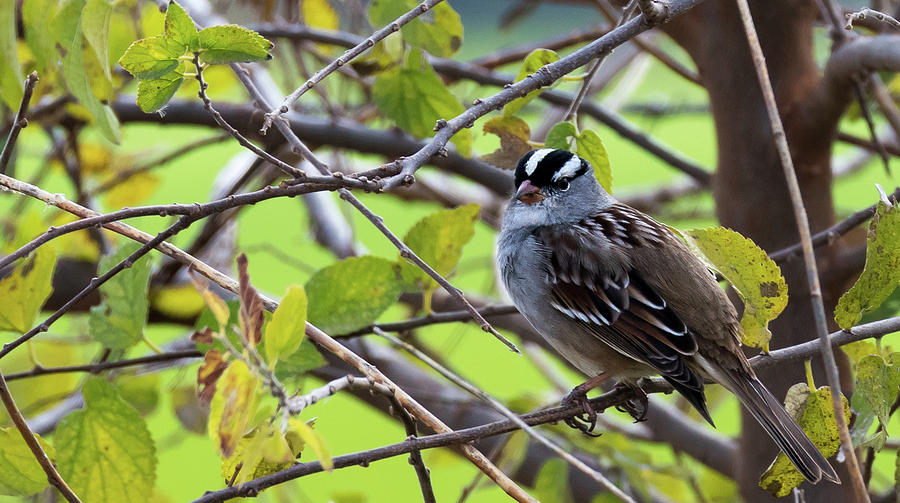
(352,293)
(755,277)
(153,95)
(298,363)
(552,482)
(514,135)
(881,274)
(261,452)
(562,135)
(95,24)
(587,145)
(105,451)
(67,27)
(36,16)
(590,147)
(141,391)
(536,59)
(181,28)
(815,414)
(285,332)
(438,31)
(875,391)
(23,292)
(153,57)
(11,78)
(233,406)
(232,44)
(20,473)
(414,97)
(309,436)
(118,323)
(438,239)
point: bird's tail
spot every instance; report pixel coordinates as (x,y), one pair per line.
(778,423)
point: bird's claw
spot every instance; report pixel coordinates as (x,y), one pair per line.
(585,423)
(635,407)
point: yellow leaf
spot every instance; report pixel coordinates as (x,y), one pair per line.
(755,277)
(132,191)
(285,332)
(319,14)
(232,407)
(181,301)
(23,292)
(215,303)
(815,414)
(304,432)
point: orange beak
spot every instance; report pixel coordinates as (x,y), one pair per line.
(529,194)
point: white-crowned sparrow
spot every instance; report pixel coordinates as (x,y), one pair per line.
(620,296)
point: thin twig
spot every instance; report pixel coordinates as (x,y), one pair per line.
(892,147)
(345,58)
(96,368)
(595,66)
(431,319)
(91,218)
(499,407)
(19,122)
(421,413)
(53,476)
(815,291)
(278,163)
(830,235)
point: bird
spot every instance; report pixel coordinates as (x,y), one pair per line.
(621,297)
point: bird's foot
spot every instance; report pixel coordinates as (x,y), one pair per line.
(635,407)
(586,422)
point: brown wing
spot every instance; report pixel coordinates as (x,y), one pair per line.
(593,283)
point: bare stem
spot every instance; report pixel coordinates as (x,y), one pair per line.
(19,122)
(809,257)
(53,476)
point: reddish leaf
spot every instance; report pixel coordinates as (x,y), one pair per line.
(251,305)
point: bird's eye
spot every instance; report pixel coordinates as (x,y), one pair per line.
(561,185)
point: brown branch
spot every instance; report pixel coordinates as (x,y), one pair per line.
(459,437)
(502,409)
(431,319)
(19,122)
(459,70)
(831,234)
(371,372)
(815,291)
(53,476)
(96,368)
(278,163)
(891,148)
(91,218)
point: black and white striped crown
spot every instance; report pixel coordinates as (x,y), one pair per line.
(547,165)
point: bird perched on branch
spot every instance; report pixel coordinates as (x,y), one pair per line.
(621,297)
